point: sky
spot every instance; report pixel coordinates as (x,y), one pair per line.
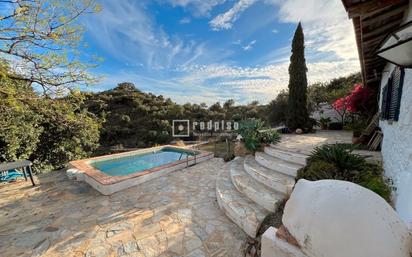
(214,50)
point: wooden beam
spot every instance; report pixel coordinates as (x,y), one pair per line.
(403,4)
(382,30)
(371,6)
(356,25)
(389,15)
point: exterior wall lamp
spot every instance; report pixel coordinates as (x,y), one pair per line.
(397,46)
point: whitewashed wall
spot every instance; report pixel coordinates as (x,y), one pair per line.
(397,145)
(326,111)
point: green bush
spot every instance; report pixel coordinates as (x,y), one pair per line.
(270,136)
(249,130)
(48,131)
(318,170)
(340,156)
(338,162)
(324,122)
(254,134)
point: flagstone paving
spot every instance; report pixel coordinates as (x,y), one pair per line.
(174,215)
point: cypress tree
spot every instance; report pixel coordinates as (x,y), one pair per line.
(298,116)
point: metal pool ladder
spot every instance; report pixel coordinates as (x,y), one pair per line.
(187,159)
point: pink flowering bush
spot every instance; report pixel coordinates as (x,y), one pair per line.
(358,100)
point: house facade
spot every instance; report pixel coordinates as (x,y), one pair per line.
(373,22)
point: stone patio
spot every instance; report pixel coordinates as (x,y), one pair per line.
(174,215)
(307,142)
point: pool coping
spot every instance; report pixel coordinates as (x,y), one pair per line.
(107,184)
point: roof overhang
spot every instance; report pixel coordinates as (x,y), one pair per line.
(373,21)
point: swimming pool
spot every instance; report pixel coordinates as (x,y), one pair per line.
(115,172)
(129,164)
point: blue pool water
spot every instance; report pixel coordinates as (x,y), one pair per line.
(139,162)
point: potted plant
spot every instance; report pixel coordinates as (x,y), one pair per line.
(324,122)
(358,126)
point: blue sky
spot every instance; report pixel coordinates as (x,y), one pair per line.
(215,50)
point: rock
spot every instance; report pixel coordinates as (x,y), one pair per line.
(299,131)
(340,219)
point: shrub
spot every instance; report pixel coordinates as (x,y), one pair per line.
(270,136)
(48,132)
(338,162)
(340,156)
(318,170)
(324,122)
(254,135)
(249,130)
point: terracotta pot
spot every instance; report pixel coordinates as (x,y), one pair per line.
(356,140)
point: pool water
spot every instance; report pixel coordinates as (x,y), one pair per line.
(139,162)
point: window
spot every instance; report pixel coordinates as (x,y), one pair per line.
(391,95)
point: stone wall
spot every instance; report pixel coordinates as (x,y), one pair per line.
(397,145)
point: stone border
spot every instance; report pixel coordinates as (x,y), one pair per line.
(107,185)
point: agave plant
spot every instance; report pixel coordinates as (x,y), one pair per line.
(253,134)
(340,156)
(339,162)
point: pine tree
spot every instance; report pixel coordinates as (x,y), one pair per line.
(298,116)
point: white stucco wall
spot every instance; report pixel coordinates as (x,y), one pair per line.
(397,145)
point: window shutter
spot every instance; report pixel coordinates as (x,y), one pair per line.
(392,95)
(389,99)
(398,85)
(384,101)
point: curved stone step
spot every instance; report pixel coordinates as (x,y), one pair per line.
(277,164)
(254,190)
(287,155)
(241,210)
(278,181)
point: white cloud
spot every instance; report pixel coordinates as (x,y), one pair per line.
(226,20)
(325,23)
(275,31)
(185,20)
(261,83)
(197,7)
(127,31)
(217,82)
(249,46)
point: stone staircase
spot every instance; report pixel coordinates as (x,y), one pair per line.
(248,188)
